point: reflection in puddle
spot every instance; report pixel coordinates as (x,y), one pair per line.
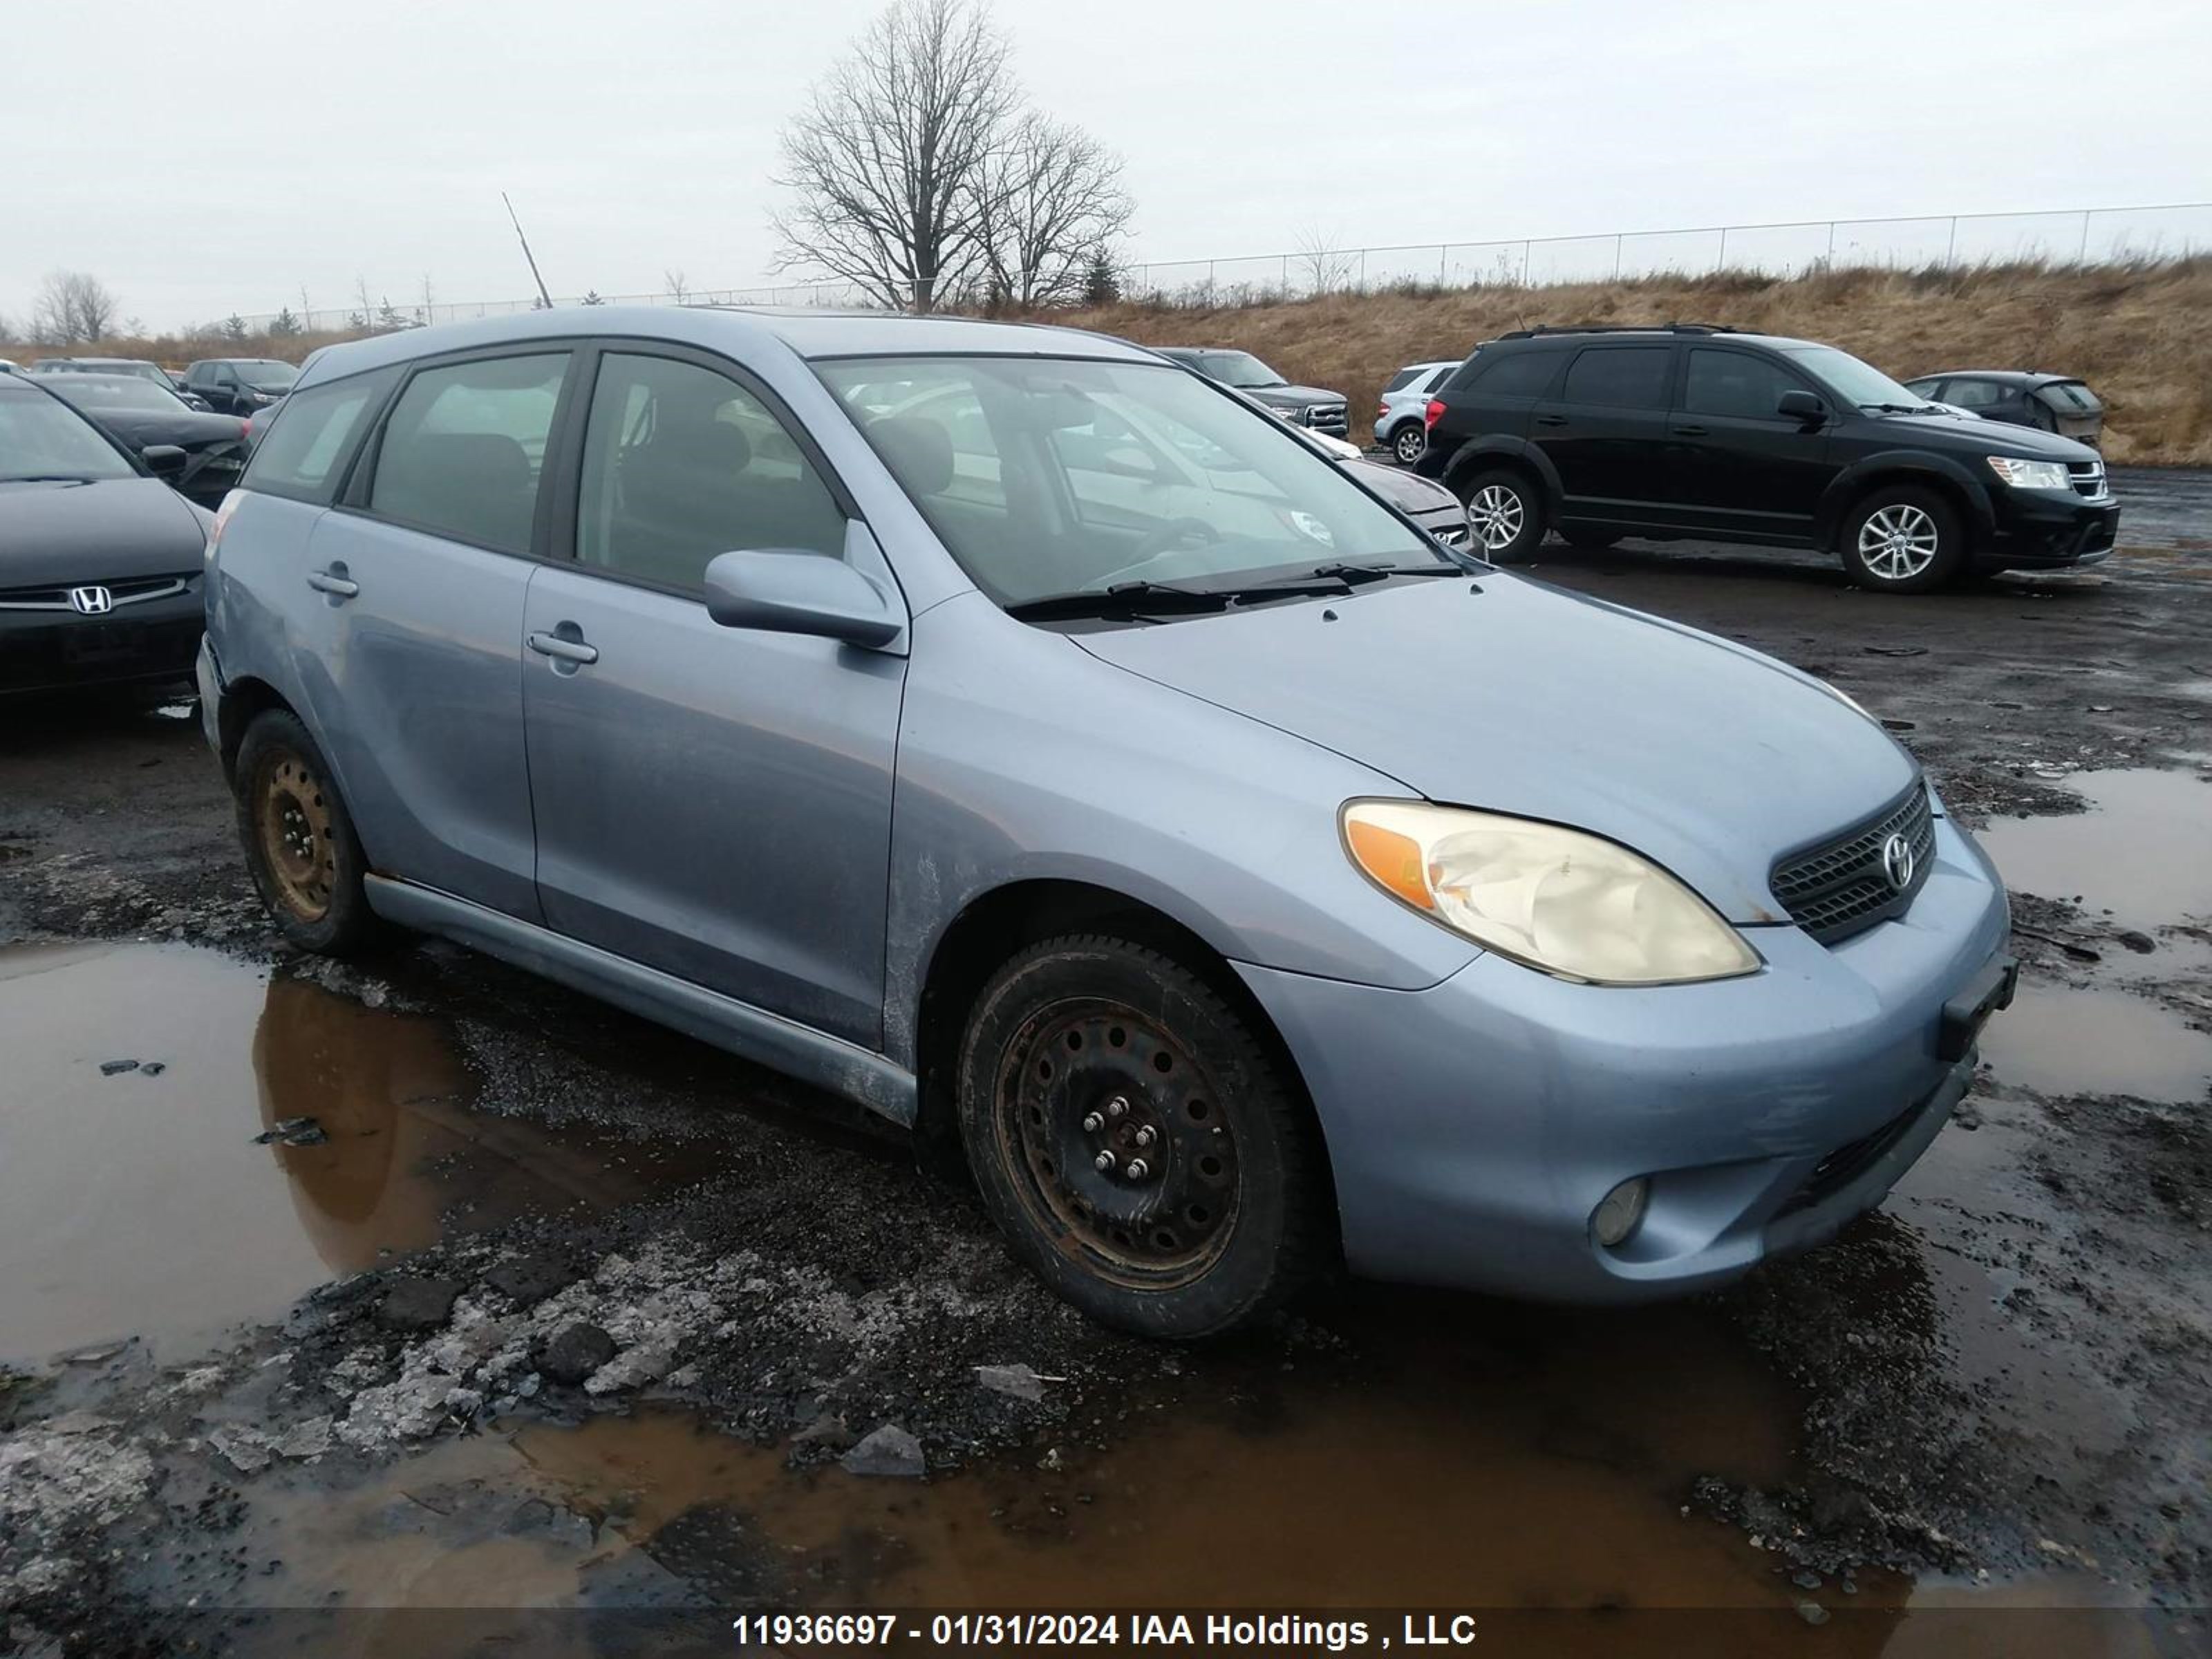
(136,1202)
(2103,1041)
(2141,850)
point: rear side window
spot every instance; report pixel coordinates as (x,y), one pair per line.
(1515,375)
(1737,383)
(304,453)
(1401,379)
(462,447)
(1620,377)
(1978,394)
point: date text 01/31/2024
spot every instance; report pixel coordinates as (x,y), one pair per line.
(1222,1632)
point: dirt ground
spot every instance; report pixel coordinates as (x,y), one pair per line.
(360,1310)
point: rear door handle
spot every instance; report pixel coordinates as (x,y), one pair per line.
(1689,432)
(1551,420)
(563,650)
(334,582)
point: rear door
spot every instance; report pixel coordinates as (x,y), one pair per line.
(418,584)
(1738,467)
(1604,431)
(713,802)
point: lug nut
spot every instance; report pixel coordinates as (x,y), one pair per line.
(1116,1106)
(1137,1168)
(1143,1137)
(1104,1161)
(1092,1123)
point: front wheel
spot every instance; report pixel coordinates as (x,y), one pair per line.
(300,841)
(1135,1142)
(1503,514)
(1904,540)
(1407,442)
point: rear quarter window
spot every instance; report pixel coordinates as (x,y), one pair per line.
(304,453)
(1511,374)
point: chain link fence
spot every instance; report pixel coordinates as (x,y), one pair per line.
(2070,236)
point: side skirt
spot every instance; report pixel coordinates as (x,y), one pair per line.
(799,1051)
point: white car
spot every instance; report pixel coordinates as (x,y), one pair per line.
(1399,426)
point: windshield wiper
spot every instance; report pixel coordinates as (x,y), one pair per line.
(1121,598)
(1371,573)
(1900,409)
(44,478)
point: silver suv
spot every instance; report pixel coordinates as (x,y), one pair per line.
(1400,422)
(1042,746)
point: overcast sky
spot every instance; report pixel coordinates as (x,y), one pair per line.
(206,162)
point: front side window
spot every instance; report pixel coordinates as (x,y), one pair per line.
(43,438)
(463,446)
(1045,477)
(302,453)
(1735,383)
(1620,377)
(682,464)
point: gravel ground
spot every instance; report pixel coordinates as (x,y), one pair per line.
(2008,1372)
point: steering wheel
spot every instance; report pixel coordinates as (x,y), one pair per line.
(1173,536)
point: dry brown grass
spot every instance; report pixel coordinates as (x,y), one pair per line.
(2141,335)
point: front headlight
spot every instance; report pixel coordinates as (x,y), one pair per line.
(2030,475)
(1569,903)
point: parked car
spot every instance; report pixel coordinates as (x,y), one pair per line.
(7,366)
(1690,431)
(137,412)
(101,561)
(2049,402)
(1431,506)
(240,385)
(861,694)
(136,368)
(1301,405)
(1400,422)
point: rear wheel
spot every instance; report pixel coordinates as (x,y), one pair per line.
(1504,513)
(1135,1142)
(1407,442)
(300,841)
(1902,539)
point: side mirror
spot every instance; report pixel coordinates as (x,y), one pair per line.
(163,460)
(1800,405)
(793,590)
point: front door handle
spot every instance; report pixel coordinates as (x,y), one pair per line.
(562,649)
(1689,432)
(334,582)
(1551,420)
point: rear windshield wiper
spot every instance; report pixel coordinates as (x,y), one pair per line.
(1123,598)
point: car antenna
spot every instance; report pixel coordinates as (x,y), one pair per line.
(526,254)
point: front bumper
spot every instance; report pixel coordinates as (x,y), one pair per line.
(1474,1126)
(44,651)
(2049,527)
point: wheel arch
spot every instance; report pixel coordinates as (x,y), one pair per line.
(1946,476)
(244,699)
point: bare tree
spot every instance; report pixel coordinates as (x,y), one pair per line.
(888,157)
(1328,268)
(72,305)
(1049,199)
(678,286)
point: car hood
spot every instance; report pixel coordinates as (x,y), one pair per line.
(1974,433)
(53,535)
(1707,757)
(1401,489)
(1287,395)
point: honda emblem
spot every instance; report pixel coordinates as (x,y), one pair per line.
(92,601)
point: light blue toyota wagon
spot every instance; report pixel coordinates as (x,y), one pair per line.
(1011,730)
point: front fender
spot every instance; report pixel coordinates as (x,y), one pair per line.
(1952,476)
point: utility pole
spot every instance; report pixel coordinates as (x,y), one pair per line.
(526,254)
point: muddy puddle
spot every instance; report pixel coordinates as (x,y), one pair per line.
(134,1200)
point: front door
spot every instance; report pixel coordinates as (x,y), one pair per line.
(710,801)
(1741,468)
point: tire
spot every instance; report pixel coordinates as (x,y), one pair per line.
(1902,540)
(1504,513)
(1213,1208)
(1408,440)
(300,841)
(1590,541)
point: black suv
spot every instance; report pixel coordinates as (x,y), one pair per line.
(1688,431)
(240,385)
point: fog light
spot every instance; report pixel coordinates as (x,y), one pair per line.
(1619,1212)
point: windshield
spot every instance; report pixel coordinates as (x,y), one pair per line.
(1051,476)
(40,438)
(267,376)
(1238,368)
(117,391)
(1853,381)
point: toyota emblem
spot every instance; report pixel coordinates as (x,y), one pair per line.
(1897,862)
(92,601)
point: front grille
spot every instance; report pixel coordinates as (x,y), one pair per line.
(2087,478)
(1326,415)
(1843,887)
(132,590)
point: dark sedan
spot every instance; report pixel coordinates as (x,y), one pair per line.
(137,413)
(2049,402)
(101,561)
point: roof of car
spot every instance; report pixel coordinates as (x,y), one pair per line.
(2026,377)
(811,332)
